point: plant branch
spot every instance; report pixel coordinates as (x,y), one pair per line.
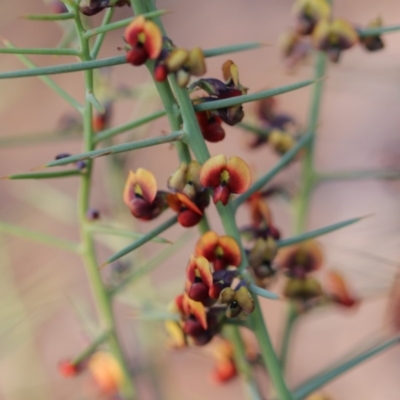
(323,177)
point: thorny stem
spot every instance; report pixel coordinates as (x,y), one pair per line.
(103,300)
(308,182)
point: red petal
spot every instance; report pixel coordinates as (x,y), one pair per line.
(239,175)
(231,249)
(206,245)
(188,203)
(188,218)
(221,193)
(210,173)
(133,29)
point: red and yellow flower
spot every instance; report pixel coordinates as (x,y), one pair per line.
(189,212)
(142,197)
(210,126)
(294,49)
(333,37)
(222,251)
(225,176)
(146,40)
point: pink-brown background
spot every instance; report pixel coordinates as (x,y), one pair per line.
(41,288)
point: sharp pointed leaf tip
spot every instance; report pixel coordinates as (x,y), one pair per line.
(4,177)
(39,167)
(103,265)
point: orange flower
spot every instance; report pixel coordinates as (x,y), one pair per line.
(189,214)
(225,368)
(338,290)
(146,40)
(200,279)
(334,37)
(222,251)
(106,372)
(225,176)
(142,197)
(259,210)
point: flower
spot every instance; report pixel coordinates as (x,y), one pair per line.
(308,13)
(101,121)
(224,367)
(225,176)
(58,7)
(189,212)
(374,42)
(200,279)
(338,290)
(106,372)
(142,197)
(222,251)
(217,89)
(239,302)
(185,63)
(96,6)
(334,37)
(186,179)
(302,288)
(281,141)
(260,259)
(146,40)
(301,259)
(68,369)
(294,49)
(210,126)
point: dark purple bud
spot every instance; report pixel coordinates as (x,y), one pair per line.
(62,155)
(80,165)
(198,291)
(92,214)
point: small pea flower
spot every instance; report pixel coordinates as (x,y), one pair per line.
(92,214)
(260,212)
(184,63)
(261,256)
(334,37)
(177,338)
(101,121)
(308,13)
(225,368)
(68,369)
(338,290)
(239,302)
(302,288)
(294,50)
(210,126)
(58,7)
(225,176)
(300,260)
(146,40)
(186,179)
(281,141)
(373,43)
(106,372)
(200,279)
(142,197)
(93,7)
(189,212)
(222,251)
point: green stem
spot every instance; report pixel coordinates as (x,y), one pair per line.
(100,39)
(45,175)
(91,348)
(291,317)
(119,148)
(323,177)
(268,353)
(331,373)
(49,17)
(263,132)
(45,79)
(308,178)
(102,299)
(39,237)
(144,239)
(378,31)
(41,51)
(109,133)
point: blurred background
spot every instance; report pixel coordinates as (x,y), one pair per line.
(46,309)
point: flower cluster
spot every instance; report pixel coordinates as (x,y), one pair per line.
(210,122)
(188,185)
(281,129)
(208,297)
(147,42)
(93,7)
(298,263)
(331,35)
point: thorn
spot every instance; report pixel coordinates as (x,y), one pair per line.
(103,265)
(4,177)
(39,167)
